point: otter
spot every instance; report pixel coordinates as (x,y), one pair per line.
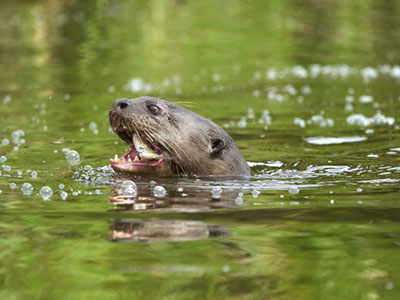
(167,139)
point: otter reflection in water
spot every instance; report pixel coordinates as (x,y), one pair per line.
(167,139)
(156,230)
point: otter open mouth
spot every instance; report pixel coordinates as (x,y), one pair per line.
(144,152)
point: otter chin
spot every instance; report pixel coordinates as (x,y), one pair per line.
(167,139)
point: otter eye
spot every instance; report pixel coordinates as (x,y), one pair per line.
(153,108)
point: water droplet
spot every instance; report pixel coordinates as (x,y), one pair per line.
(61,186)
(359,190)
(6,168)
(73,157)
(46,192)
(27,189)
(180,189)
(13,185)
(255,193)
(34,174)
(3,158)
(216,192)
(293,190)
(97,192)
(159,191)
(5,142)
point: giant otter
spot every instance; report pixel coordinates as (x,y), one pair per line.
(167,139)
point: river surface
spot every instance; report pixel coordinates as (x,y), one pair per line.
(310,92)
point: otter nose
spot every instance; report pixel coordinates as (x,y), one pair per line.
(120,104)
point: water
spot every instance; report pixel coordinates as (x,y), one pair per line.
(310,92)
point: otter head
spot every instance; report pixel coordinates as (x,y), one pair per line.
(167,139)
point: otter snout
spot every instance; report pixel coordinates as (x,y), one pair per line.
(121,105)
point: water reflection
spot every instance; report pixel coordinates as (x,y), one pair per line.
(157,230)
(194,198)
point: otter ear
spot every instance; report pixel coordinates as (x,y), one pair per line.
(216,146)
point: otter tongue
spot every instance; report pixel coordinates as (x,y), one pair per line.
(143,149)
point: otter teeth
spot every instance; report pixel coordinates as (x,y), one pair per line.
(116,159)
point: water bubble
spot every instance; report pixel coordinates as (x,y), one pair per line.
(366,99)
(293,190)
(34,174)
(97,192)
(13,185)
(16,148)
(255,193)
(129,192)
(27,189)
(239,201)
(61,186)
(180,189)
(73,157)
(359,190)
(242,123)
(299,122)
(5,142)
(87,168)
(332,201)
(152,183)
(1,191)
(6,168)
(226,269)
(3,158)
(75,194)
(63,195)
(216,192)
(7,99)
(250,113)
(159,191)
(128,184)
(92,126)
(46,192)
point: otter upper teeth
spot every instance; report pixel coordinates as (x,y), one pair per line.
(136,158)
(150,155)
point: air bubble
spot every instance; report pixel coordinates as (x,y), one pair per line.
(46,192)
(129,192)
(255,193)
(216,192)
(159,191)
(27,189)
(293,190)
(63,195)
(73,157)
